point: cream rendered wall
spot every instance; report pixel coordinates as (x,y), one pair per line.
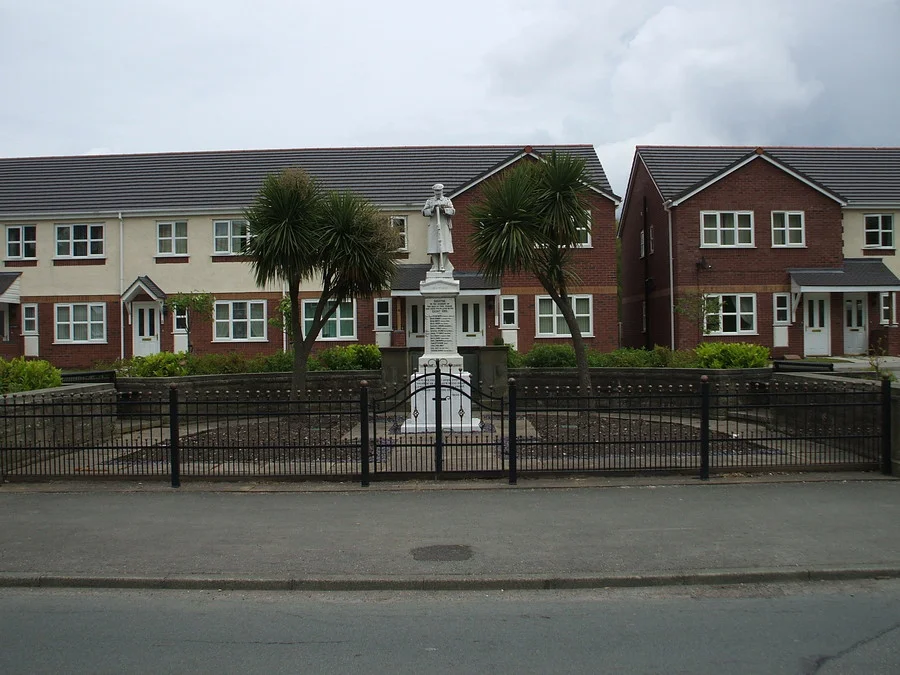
(140,254)
(48,279)
(855,234)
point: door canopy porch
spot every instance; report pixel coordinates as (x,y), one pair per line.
(143,285)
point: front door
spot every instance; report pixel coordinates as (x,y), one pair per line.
(415,322)
(856,324)
(816,334)
(470,321)
(145,320)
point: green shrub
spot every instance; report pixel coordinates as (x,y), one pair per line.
(217,364)
(731,355)
(352,357)
(626,357)
(514,359)
(163,364)
(550,356)
(279,362)
(22,375)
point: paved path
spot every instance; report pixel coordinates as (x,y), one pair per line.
(474,535)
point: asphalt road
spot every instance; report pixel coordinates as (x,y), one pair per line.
(802,628)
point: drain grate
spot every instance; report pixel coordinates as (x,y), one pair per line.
(442,552)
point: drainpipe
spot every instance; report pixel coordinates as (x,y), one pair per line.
(648,337)
(668,209)
(121,286)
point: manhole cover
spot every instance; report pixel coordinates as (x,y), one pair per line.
(442,552)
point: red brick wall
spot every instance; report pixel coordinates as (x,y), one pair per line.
(762,188)
(595,267)
(653,267)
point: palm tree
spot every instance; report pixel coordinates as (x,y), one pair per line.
(529,220)
(300,232)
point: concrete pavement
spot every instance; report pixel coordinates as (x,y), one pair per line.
(541,534)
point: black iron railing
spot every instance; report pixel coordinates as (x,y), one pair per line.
(364,434)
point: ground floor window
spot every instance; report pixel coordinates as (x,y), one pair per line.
(888,309)
(340,326)
(240,320)
(29,319)
(509,311)
(736,314)
(382,313)
(80,322)
(781,309)
(552,323)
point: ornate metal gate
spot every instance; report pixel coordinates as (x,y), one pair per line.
(437,425)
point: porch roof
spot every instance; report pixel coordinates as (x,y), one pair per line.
(856,275)
(9,287)
(147,285)
(408,278)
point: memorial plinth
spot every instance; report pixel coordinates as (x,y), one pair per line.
(440,291)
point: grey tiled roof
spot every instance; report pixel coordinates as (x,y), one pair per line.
(409,276)
(856,272)
(857,175)
(7,279)
(230,179)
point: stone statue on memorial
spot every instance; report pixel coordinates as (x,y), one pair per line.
(439,209)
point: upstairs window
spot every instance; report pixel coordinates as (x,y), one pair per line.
(399,224)
(583,234)
(230,237)
(787,228)
(726,228)
(643,248)
(79,241)
(171,238)
(21,241)
(880,230)
(650,239)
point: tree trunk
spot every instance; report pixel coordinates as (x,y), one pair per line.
(298,375)
(581,362)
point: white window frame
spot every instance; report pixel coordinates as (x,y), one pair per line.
(337,321)
(401,225)
(887,308)
(179,315)
(514,299)
(230,321)
(89,241)
(22,242)
(720,231)
(172,239)
(642,247)
(382,308)
(880,231)
(224,244)
(27,308)
(781,302)
(71,322)
(557,318)
(786,229)
(650,236)
(584,238)
(738,313)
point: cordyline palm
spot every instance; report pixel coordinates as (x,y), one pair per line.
(300,232)
(528,221)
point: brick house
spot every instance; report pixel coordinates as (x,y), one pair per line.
(93,245)
(793,247)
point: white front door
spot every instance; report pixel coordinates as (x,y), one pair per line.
(816,333)
(856,324)
(145,321)
(470,321)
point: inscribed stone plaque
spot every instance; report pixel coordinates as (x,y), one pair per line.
(440,318)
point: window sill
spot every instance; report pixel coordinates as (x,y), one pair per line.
(879,251)
(731,334)
(563,337)
(80,343)
(226,340)
(728,246)
(230,258)
(167,259)
(789,246)
(73,262)
(21,262)
(339,339)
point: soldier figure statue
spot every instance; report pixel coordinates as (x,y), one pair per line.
(439,209)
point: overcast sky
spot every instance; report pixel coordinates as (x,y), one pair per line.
(167,75)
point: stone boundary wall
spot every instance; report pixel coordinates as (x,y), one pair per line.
(50,421)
